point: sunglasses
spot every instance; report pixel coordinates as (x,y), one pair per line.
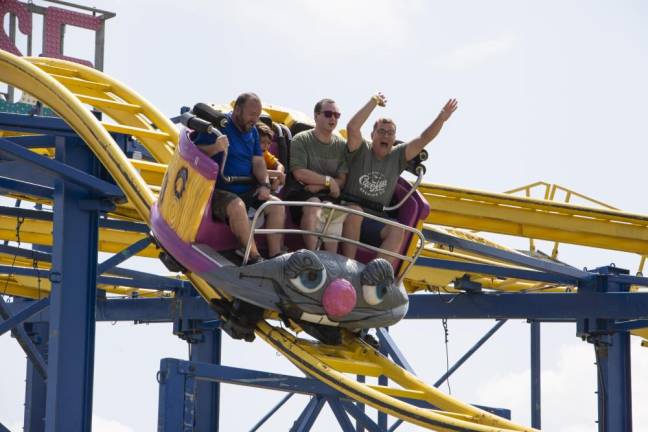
(329,114)
(385,132)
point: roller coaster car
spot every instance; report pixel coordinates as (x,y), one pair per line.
(322,292)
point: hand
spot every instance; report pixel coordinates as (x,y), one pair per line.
(314,188)
(263,193)
(380,99)
(448,109)
(278,181)
(222,143)
(335,189)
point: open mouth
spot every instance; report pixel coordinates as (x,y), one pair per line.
(384,144)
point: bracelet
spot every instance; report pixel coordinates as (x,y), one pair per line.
(266,184)
(377,99)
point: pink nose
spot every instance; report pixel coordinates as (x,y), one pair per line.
(339,298)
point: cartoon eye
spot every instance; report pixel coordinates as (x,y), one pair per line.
(374,294)
(309,280)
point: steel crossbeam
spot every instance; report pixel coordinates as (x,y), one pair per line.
(41,165)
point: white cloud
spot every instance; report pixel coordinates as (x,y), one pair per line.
(469,56)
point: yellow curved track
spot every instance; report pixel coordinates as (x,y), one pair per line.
(66,87)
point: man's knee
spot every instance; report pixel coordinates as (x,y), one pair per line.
(236,209)
(275,210)
(353,220)
(392,233)
(310,212)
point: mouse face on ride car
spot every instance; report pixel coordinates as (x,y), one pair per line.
(319,287)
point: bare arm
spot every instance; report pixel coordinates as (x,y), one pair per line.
(309,177)
(354,136)
(261,174)
(415,146)
(259,169)
(211,149)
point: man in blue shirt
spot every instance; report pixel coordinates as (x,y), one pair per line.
(232,201)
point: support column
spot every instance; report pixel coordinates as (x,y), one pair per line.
(614,385)
(176,397)
(72,305)
(612,348)
(36,386)
(536,402)
(207,350)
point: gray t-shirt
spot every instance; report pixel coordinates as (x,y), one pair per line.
(306,151)
(373,179)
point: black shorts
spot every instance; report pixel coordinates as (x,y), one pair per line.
(222,198)
(304,195)
(370,232)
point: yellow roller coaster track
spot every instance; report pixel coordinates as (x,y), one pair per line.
(66,87)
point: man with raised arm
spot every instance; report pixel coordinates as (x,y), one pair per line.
(318,166)
(374,169)
(232,201)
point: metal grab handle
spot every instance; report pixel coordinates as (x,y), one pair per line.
(420,170)
(407,261)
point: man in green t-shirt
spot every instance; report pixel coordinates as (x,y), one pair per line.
(319,169)
(374,169)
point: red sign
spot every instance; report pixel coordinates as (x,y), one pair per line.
(53,21)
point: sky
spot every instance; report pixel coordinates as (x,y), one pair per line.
(553,91)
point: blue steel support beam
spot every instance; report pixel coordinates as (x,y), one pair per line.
(26,253)
(34,141)
(613,360)
(360,406)
(536,399)
(25,341)
(541,306)
(123,255)
(340,415)
(307,418)
(469,353)
(360,417)
(392,350)
(26,188)
(36,386)
(382,381)
(271,412)
(614,382)
(138,279)
(174,388)
(149,283)
(137,282)
(207,349)
(60,170)
(48,216)
(35,124)
(73,297)
(511,257)
(29,311)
